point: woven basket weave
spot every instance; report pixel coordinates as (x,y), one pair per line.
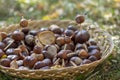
(103,39)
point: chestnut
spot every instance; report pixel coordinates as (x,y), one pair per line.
(33,32)
(47,62)
(86,61)
(82,53)
(60,41)
(51,51)
(62,54)
(76,60)
(23,22)
(18,36)
(39,65)
(2,45)
(10,51)
(69,46)
(1,53)
(67,39)
(5,62)
(92,58)
(20,63)
(25,30)
(37,49)
(79,46)
(91,42)
(3,35)
(71,27)
(29,61)
(82,36)
(92,47)
(68,32)
(95,53)
(56,29)
(29,39)
(39,57)
(79,19)
(7,39)
(13,57)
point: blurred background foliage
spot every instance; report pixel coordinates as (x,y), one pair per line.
(104,12)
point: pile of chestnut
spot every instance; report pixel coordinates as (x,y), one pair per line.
(46,48)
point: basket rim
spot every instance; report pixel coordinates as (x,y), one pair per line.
(71,67)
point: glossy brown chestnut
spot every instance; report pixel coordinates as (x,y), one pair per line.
(24,22)
(56,29)
(60,41)
(37,49)
(82,53)
(5,62)
(25,30)
(79,19)
(69,33)
(92,47)
(29,61)
(47,62)
(18,36)
(79,46)
(71,27)
(95,53)
(39,65)
(33,32)
(67,39)
(82,36)
(62,54)
(92,58)
(86,61)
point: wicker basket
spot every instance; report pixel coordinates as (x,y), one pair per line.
(104,41)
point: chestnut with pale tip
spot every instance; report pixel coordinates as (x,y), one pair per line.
(79,19)
(39,57)
(23,22)
(56,29)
